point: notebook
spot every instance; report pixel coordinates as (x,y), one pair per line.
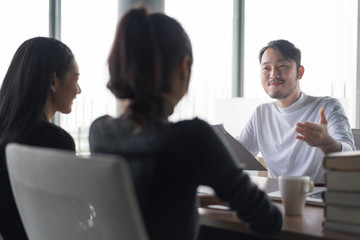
(313,198)
(243,156)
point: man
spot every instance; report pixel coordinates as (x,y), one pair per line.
(295,132)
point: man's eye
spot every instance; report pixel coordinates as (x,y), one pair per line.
(283,66)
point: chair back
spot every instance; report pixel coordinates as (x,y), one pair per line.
(62,196)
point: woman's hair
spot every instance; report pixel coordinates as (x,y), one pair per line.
(146,50)
(27,82)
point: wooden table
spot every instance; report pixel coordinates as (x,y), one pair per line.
(307,226)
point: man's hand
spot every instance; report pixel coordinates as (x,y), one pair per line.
(316,135)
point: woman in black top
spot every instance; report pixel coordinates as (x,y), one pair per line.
(41,80)
(150,64)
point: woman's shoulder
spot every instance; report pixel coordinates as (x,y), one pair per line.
(101,121)
(103,124)
(51,127)
(193,124)
(195,128)
(50,135)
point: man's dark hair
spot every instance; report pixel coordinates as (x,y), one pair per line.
(287,49)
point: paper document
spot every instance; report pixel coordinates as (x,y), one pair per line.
(242,155)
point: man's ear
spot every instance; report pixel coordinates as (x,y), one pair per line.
(301,72)
(54,83)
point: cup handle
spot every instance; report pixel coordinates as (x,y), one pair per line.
(308,187)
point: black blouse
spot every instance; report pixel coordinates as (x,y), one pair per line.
(168,161)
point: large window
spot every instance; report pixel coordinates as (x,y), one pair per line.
(88,28)
(209,26)
(18,24)
(326,33)
(90,32)
(324,30)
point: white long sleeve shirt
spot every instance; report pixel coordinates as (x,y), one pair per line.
(271,131)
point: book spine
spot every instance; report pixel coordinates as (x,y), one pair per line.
(342,227)
(342,163)
(342,180)
(342,214)
(350,199)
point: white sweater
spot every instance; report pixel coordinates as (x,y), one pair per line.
(271,131)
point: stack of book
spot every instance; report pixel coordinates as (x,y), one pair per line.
(342,198)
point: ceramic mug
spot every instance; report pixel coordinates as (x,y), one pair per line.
(294,190)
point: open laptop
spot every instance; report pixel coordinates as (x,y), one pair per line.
(242,155)
(313,198)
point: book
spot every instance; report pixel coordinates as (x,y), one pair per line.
(342,198)
(342,180)
(342,227)
(342,160)
(342,214)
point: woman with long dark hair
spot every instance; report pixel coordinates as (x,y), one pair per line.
(42,79)
(150,64)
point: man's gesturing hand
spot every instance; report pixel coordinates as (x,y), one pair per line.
(316,134)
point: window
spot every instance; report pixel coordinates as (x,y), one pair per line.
(18,24)
(88,28)
(324,30)
(209,26)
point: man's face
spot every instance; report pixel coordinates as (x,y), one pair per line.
(279,75)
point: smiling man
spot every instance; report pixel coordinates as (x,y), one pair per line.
(294,132)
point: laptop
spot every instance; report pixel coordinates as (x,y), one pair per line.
(242,156)
(313,198)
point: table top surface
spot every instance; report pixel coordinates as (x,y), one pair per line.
(308,226)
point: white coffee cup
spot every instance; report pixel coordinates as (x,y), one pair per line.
(293,191)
